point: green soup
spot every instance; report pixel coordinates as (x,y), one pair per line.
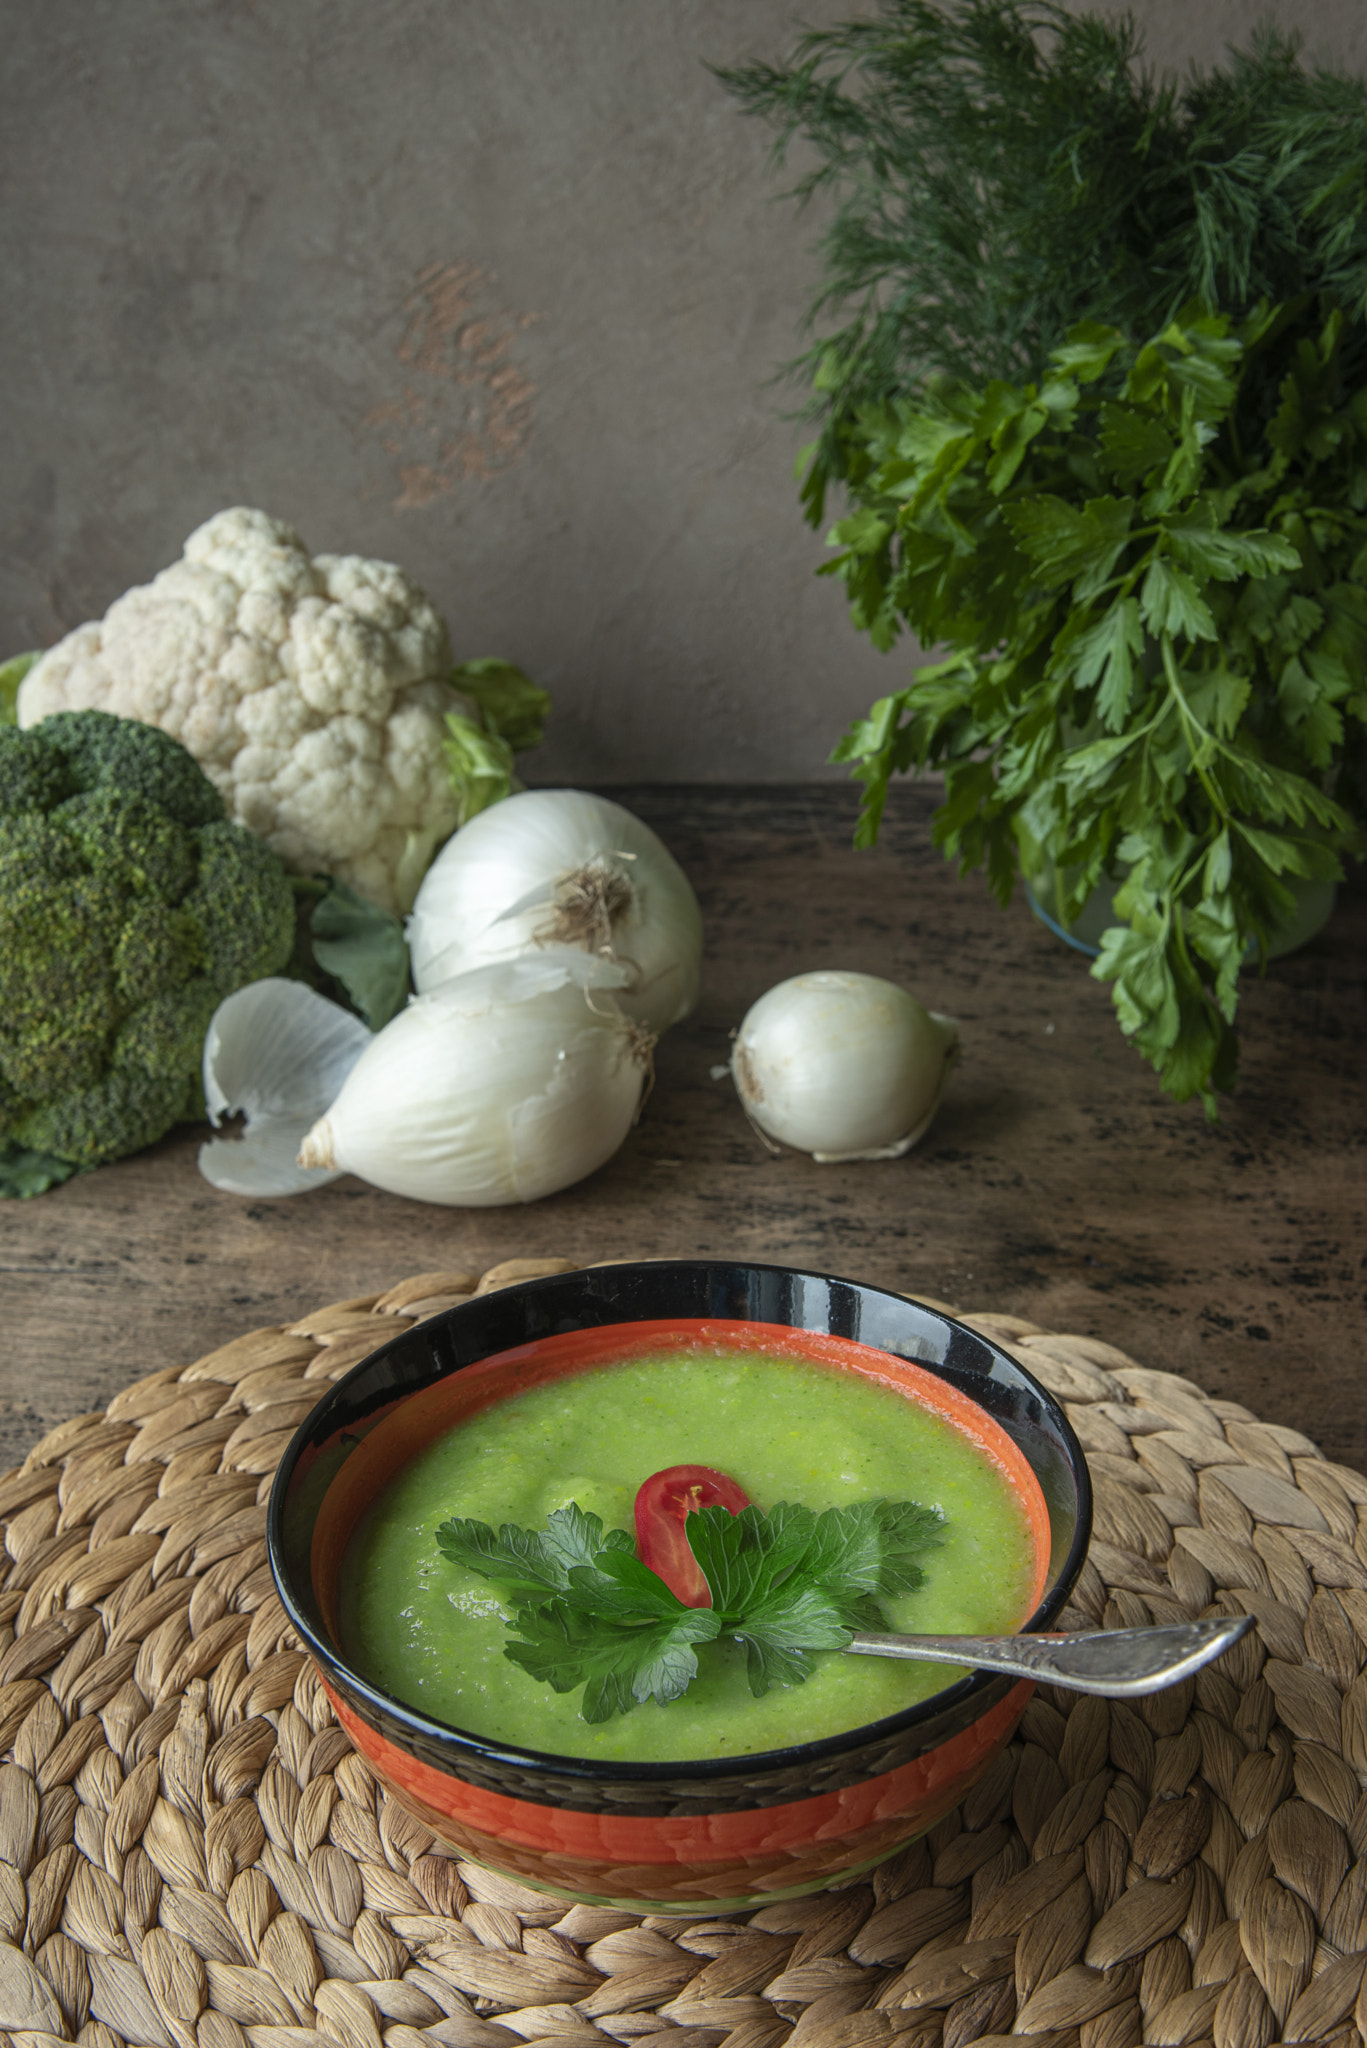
(432,1634)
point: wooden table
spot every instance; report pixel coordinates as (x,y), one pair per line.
(1057,1183)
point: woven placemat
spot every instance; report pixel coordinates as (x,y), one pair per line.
(191,1855)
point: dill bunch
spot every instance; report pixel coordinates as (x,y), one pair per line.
(1003,169)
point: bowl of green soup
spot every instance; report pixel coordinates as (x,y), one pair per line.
(576,1561)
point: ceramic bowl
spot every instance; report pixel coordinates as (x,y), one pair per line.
(719,1834)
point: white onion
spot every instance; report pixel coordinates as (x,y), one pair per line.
(276,1052)
(844,1066)
(504,1085)
(559,866)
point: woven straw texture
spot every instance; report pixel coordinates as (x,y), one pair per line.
(191,1856)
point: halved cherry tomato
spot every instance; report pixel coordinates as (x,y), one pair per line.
(662,1504)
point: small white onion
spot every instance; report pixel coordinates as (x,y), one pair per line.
(562,867)
(844,1066)
(503,1085)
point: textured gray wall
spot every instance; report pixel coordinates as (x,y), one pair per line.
(492,288)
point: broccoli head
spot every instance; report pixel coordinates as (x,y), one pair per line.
(129,908)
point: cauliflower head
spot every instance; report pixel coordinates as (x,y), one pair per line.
(311,689)
(129,908)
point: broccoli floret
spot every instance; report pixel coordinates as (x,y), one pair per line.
(103,752)
(129,908)
(130,843)
(235,870)
(33,776)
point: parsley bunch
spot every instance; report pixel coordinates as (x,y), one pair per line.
(1090,360)
(589,1613)
(1160,642)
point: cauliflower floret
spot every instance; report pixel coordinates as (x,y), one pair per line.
(311,690)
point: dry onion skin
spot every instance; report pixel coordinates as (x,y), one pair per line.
(842,1066)
(276,1053)
(561,867)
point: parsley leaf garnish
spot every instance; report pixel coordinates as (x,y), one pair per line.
(625,1641)
(530,1562)
(588,1612)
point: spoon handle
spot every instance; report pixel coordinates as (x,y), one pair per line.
(1118,1663)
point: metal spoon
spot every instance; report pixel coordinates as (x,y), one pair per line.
(1118,1663)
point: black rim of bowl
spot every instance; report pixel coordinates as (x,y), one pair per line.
(561,1302)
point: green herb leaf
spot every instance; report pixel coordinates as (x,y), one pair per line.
(1088,351)
(528,1560)
(781,1628)
(1071,545)
(863,533)
(1222,555)
(1133,443)
(575,1540)
(1171,603)
(621,1660)
(1104,652)
(783,1585)
(906,1530)
(790,1582)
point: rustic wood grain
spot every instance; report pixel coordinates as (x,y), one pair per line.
(1057,1183)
